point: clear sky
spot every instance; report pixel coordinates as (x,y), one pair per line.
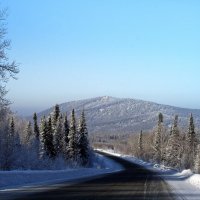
(75,49)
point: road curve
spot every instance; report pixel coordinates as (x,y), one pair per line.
(135,182)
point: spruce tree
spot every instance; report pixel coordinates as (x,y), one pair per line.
(191,144)
(58,136)
(36,132)
(55,116)
(13,133)
(173,146)
(10,145)
(140,145)
(29,134)
(197,160)
(158,140)
(66,136)
(12,128)
(36,127)
(43,137)
(83,143)
(50,150)
(72,147)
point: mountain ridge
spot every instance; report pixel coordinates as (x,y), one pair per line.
(112,115)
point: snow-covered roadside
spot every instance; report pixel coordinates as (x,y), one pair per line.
(185,183)
(12,180)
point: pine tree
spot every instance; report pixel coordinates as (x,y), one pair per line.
(36,132)
(191,144)
(72,147)
(29,134)
(10,145)
(197,161)
(66,136)
(173,146)
(140,145)
(12,128)
(50,149)
(58,136)
(83,143)
(55,116)
(36,127)
(43,137)
(14,144)
(158,140)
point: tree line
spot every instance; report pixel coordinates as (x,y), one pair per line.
(171,148)
(55,142)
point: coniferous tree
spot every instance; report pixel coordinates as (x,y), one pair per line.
(12,128)
(36,127)
(36,132)
(83,143)
(50,150)
(6,163)
(29,134)
(197,160)
(72,147)
(13,146)
(10,150)
(55,116)
(140,145)
(191,145)
(58,136)
(66,137)
(158,139)
(43,138)
(173,146)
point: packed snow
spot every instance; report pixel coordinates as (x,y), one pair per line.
(184,184)
(10,180)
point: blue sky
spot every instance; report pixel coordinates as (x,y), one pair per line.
(77,49)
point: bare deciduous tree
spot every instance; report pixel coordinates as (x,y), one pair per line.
(8,69)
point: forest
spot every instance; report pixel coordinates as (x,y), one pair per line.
(172,146)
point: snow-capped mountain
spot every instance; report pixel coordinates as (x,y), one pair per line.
(118,115)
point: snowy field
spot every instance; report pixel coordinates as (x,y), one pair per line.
(185,184)
(14,180)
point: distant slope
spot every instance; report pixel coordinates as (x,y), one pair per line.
(116,115)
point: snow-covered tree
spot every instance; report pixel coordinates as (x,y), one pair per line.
(29,134)
(10,146)
(157,146)
(83,143)
(50,149)
(12,128)
(36,127)
(73,140)
(173,147)
(190,144)
(66,137)
(59,137)
(55,116)
(43,138)
(197,160)
(36,132)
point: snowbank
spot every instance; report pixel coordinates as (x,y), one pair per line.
(154,167)
(195,180)
(15,179)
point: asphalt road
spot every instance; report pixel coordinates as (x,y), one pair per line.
(135,182)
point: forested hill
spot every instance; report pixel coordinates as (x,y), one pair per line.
(119,115)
